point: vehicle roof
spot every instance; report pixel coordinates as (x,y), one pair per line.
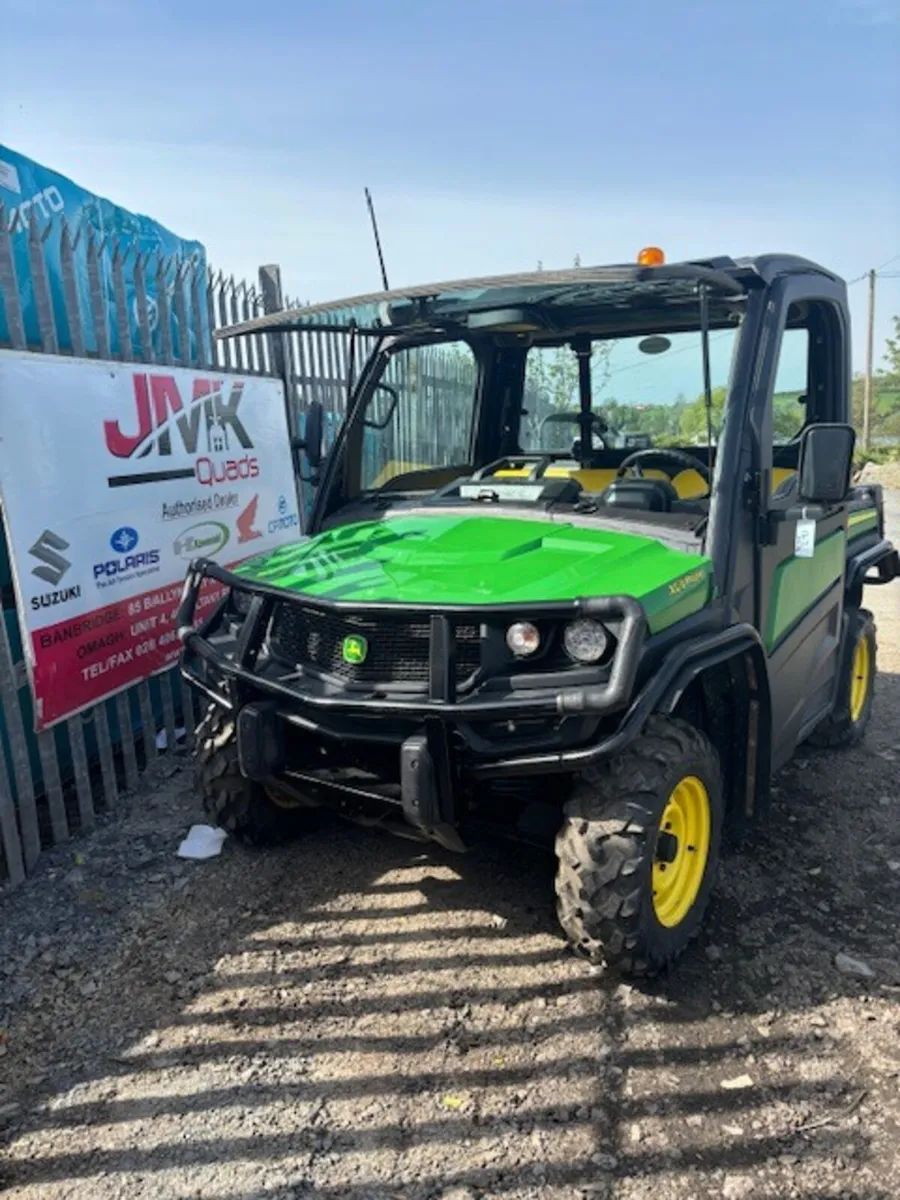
(602,290)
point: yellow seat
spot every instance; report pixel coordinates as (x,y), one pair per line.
(595,479)
(395,468)
(779,475)
(690,485)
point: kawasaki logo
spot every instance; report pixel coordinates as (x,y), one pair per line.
(46,550)
(208,424)
(355,649)
(201,540)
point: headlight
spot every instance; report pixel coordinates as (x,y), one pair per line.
(585,640)
(523,638)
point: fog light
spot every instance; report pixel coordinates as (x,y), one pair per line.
(523,638)
(585,640)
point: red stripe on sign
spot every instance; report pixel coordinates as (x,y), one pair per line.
(87,658)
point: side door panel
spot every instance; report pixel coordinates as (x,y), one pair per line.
(801,627)
(800,600)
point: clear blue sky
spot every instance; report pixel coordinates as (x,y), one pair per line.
(494,133)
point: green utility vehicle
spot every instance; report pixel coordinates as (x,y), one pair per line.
(608,647)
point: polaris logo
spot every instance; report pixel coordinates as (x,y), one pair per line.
(123,566)
(208,424)
(47,551)
(124,539)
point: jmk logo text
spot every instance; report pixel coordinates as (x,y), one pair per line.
(165,423)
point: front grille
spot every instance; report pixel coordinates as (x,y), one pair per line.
(396,652)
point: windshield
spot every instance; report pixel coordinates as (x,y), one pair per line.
(418,428)
(646,391)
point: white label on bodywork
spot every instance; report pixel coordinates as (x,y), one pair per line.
(805,539)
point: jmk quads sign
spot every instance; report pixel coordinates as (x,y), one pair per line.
(113,477)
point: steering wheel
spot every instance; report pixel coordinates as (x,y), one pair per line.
(684,460)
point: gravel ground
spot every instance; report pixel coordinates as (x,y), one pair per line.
(353,1017)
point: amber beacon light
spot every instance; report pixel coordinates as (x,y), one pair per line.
(651,256)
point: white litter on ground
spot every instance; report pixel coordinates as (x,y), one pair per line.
(202,841)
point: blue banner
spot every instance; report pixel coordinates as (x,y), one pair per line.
(30,191)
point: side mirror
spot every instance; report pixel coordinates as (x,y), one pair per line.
(312,433)
(826,459)
(311,441)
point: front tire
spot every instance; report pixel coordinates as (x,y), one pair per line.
(230,800)
(847,724)
(639,849)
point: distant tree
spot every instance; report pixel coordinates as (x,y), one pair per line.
(892,350)
(885,414)
(787,415)
(551,377)
(692,424)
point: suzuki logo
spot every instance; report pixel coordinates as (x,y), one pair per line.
(46,550)
(246,521)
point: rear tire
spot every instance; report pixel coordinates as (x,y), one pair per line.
(230,800)
(846,725)
(630,893)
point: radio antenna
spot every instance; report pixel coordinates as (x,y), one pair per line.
(384,278)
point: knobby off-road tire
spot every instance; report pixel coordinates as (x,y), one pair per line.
(615,838)
(232,801)
(856,689)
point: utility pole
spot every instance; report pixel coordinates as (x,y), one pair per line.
(870,347)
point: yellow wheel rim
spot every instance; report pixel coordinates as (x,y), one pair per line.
(860,678)
(682,850)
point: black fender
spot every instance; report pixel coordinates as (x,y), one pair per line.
(882,556)
(739,664)
(738,645)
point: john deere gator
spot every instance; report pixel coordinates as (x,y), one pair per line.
(499,620)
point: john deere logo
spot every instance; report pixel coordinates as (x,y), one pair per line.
(355,649)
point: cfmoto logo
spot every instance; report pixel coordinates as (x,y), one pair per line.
(47,551)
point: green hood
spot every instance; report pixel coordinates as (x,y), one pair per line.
(460,559)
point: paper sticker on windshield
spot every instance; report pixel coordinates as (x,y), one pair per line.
(805,539)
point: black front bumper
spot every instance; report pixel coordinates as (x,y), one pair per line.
(609,688)
(434,730)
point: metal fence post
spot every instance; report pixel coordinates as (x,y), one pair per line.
(279,353)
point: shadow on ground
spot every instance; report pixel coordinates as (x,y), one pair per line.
(352,1017)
